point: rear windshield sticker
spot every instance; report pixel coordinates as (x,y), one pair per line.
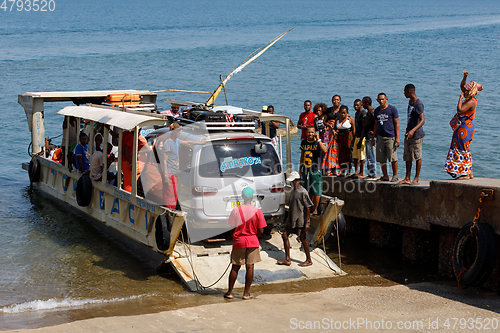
(229,163)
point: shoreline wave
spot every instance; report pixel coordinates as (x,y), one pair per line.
(53,304)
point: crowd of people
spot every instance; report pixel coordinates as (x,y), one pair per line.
(334,142)
(91,161)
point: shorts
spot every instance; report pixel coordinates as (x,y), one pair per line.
(386,149)
(359,154)
(245,256)
(298,231)
(413,149)
(313,182)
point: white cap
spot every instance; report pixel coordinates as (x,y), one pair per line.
(293,175)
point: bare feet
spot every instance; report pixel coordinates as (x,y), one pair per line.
(405,182)
(305,263)
(463,177)
(247,296)
(284,262)
(228,295)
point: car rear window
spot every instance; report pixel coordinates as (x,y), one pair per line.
(238,159)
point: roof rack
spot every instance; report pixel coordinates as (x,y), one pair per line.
(219,120)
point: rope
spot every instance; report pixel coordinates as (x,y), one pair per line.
(254,85)
(199,286)
(326,256)
(338,235)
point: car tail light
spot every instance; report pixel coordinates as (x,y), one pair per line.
(276,188)
(203,191)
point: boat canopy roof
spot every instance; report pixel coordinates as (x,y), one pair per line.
(67,96)
(114,116)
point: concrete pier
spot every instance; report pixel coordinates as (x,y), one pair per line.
(421,221)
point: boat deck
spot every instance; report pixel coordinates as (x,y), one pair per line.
(202,264)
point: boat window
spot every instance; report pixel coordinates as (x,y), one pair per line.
(238,159)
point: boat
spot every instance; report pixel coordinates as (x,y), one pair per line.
(152,230)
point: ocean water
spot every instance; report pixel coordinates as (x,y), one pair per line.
(51,261)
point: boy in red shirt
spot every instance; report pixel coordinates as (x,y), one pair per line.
(306,119)
(249,224)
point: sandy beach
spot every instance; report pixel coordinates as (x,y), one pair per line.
(422,307)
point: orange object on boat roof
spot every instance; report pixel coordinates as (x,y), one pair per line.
(123,99)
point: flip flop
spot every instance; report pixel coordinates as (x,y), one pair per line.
(227,296)
(403,182)
(382,179)
(413,182)
(247,296)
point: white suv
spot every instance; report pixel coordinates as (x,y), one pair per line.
(211,177)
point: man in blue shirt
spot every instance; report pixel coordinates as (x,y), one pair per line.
(81,157)
(414,135)
(387,133)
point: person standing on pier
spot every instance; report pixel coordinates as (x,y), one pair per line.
(368,127)
(331,159)
(332,111)
(249,223)
(386,131)
(414,135)
(298,221)
(358,153)
(310,166)
(459,160)
(306,119)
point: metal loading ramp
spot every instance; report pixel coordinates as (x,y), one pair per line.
(207,262)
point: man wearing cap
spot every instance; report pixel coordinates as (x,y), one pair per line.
(298,221)
(249,224)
